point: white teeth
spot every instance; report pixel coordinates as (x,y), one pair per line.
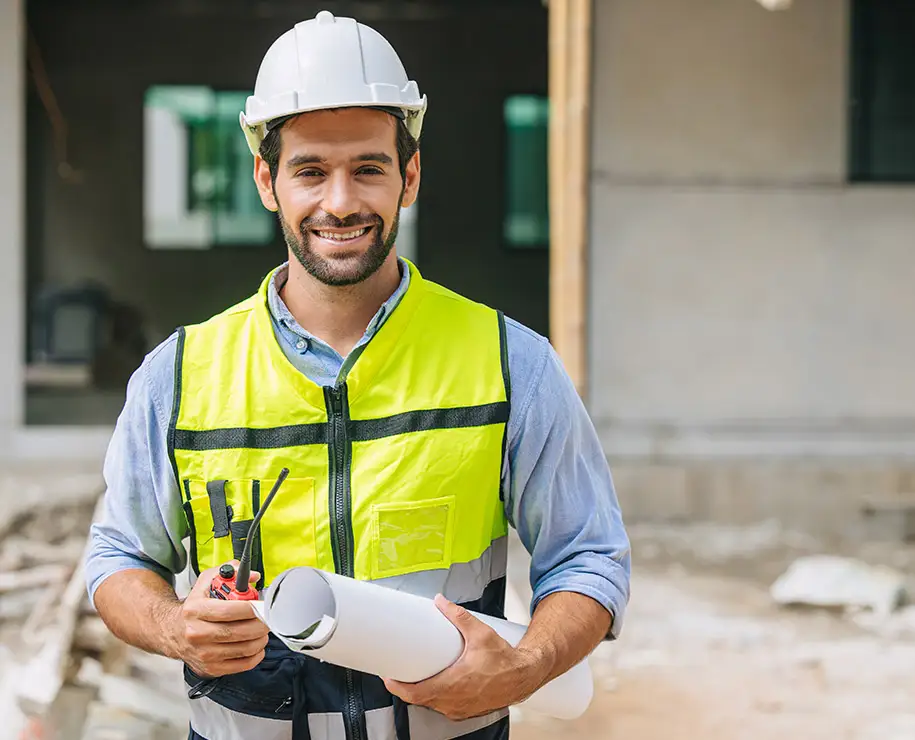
(342,237)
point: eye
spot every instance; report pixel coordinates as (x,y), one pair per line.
(370,170)
(309,172)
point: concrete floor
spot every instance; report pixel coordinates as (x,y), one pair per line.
(706,655)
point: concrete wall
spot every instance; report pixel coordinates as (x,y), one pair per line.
(738,283)
(18,446)
(746,303)
(12,214)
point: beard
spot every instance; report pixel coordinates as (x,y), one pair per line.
(349,268)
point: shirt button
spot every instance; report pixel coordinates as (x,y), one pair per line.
(300,344)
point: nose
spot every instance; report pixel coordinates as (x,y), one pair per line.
(340,198)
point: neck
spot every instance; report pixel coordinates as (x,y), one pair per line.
(338,315)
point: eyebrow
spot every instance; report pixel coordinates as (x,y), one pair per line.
(302,159)
(375,157)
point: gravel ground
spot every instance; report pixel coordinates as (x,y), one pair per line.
(706,654)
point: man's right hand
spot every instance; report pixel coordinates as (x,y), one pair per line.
(216,637)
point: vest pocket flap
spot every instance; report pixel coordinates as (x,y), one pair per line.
(220,512)
(412,536)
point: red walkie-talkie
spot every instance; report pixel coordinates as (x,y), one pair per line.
(232,585)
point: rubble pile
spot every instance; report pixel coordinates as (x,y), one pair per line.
(63,676)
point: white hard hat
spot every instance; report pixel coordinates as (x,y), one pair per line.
(330,62)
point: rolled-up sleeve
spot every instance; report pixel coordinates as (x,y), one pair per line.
(560,493)
(142,523)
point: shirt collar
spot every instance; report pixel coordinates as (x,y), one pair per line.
(284,317)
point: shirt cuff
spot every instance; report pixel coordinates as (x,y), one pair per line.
(609,589)
(102,567)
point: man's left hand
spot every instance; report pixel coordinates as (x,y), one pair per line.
(489,675)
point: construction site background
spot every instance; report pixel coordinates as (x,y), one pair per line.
(733,632)
(746,330)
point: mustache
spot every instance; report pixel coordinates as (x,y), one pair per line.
(332,222)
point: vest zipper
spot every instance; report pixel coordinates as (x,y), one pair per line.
(340,459)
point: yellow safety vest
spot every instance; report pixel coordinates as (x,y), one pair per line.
(395,471)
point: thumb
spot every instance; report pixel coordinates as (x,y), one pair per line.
(202,584)
(458,616)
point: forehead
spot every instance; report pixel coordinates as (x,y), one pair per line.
(345,131)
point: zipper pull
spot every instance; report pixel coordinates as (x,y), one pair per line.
(336,401)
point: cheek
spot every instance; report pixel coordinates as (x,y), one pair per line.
(297,204)
(385,204)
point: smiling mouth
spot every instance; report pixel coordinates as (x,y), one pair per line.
(344,236)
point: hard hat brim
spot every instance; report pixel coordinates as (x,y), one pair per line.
(255,129)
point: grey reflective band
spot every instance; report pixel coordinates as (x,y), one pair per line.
(428,725)
(462,582)
(214,722)
(358,430)
(379,724)
(270,438)
(326,726)
(364,430)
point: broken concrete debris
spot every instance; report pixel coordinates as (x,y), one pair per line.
(839,583)
(63,676)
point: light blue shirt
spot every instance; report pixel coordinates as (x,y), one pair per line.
(558,489)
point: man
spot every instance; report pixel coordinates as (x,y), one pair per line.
(416,425)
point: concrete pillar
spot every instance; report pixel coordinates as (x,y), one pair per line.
(12,215)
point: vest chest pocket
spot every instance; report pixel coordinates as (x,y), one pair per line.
(220,513)
(411,536)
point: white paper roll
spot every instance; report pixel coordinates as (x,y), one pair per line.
(393,634)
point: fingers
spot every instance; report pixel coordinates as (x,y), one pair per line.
(458,616)
(202,632)
(211,659)
(226,667)
(217,610)
(408,692)
(398,689)
(201,588)
(241,665)
(423,692)
(233,651)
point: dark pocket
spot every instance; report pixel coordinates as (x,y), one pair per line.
(264,691)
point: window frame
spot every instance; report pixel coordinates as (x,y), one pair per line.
(861,61)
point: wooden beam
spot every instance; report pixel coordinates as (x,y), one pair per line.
(569,157)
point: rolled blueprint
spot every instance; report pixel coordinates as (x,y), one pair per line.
(392,634)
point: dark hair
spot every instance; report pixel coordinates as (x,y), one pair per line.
(407,146)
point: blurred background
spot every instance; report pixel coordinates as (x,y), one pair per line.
(707,205)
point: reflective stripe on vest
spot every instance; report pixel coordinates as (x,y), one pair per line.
(214,722)
(395,474)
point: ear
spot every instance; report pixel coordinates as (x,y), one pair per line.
(264,183)
(411,181)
